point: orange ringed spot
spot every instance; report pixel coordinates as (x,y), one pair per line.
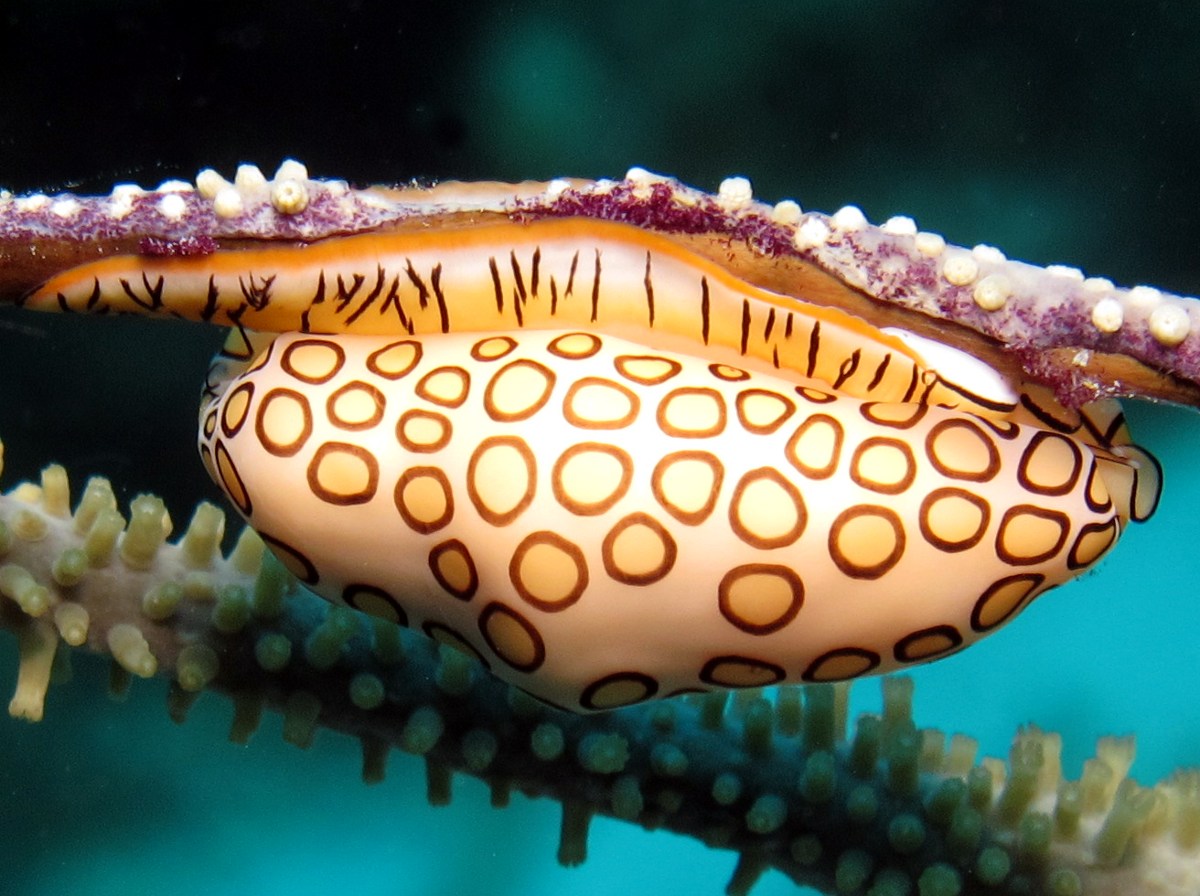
(574,346)
(866,541)
(740,672)
(1002,599)
(927,644)
(618,689)
(423,432)
(760,598)
(597,403)
(815,396)
(284,422)
(312,361)
(424,499)
(953,519)
(1029,535)
(548,571)
(690,413)
(395,360)
(687,484)
(512,637)
(355,406)
(235,409)
(501,479)
(589,478)
(231,480)
(1092,543)
(897,415)
(960,449)
(452,566)
(493,348)
(342,473)
(816,446)
(762,412)
(647,370)
(727,373)
(766,510)
(518,391)
(445,386)
(841,664)
(883,465)
(374,601)
(638,550)
(1050,464)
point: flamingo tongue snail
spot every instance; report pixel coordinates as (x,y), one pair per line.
(624,441)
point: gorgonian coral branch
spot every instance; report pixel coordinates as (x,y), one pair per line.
(1082,335)
(887,809)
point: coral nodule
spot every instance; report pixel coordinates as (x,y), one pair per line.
(778,776)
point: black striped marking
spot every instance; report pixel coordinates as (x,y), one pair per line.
(435,280)
(649,285)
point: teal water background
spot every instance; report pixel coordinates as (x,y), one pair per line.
(1059,135)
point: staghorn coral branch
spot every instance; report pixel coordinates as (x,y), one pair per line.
(885,810)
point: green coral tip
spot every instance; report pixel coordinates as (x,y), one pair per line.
(939,880)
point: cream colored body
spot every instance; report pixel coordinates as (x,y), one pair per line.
(794,533)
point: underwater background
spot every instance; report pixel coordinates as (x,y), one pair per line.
(1065,132)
